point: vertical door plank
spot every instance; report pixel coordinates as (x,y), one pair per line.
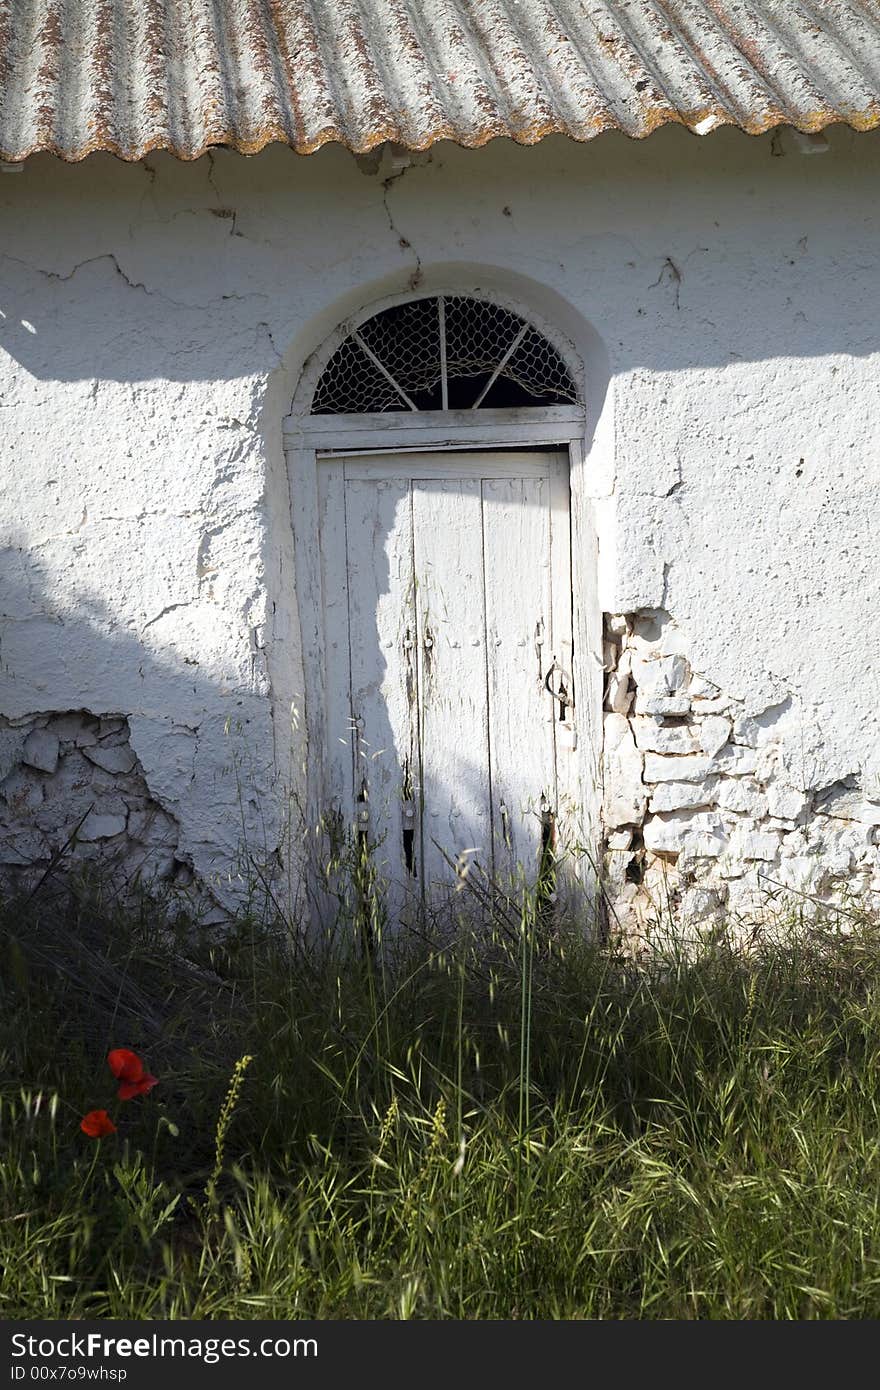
(565,731)
(383,692)
(452,677)
(516,532)
(337,684)
(589,674)
(308,845)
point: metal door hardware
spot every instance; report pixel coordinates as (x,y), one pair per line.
(566,685)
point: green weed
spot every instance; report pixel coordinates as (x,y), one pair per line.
(489,1124)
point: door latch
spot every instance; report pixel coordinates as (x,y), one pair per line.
(564,693)
(566,733)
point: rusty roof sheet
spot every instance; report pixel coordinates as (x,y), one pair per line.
(131,76)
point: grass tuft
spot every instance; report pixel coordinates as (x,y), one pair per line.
(499,1126)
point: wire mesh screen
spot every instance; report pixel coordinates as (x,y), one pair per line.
(447,352)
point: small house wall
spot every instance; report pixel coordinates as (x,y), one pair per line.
(725,293)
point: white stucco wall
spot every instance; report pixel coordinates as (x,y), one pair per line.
(154,322)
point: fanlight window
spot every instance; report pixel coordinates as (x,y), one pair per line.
(445,353)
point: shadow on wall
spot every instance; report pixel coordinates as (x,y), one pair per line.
(688,253)
(164,759)
(124,749)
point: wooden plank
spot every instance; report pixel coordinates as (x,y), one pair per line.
(307,566)
(562,641)
(383,690)
(509,463)
(589,673)
(566,674)
(435,419)
(436,429)
(516,535)
(456,814)
(337,662)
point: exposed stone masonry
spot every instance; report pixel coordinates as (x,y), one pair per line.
(72,790)
(707,809)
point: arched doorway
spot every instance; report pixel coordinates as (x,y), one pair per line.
(433,521)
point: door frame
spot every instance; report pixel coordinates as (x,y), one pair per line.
(306,438)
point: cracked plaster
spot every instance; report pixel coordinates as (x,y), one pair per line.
(155,320)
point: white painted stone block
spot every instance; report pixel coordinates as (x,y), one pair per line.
(745,896)
(662,704)
(41,750)
(798,872)
(700,904)
(112,724)
(625,796)
(620,840)
(664,834)
(11,747)
(110,804)
(68,726)
(659,675)
(669,833)
(713,734)
(151,865)
(785,802)
(702,689)
(648,673)
(848,805)
(23,792)
(673,642)
(745,731)
(691,768)
(756,845)
(101,827)
(735,762)
(655,737)
(731,866)
(703,844)
(719,706)
(676,673)
(743,795)
(620,695)
(680,796)
(152,828)
(117,758)
(837,863)
(21,847)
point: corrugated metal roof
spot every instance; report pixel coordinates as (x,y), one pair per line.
(132,76)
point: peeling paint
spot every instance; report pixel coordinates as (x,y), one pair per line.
(73,792)
(708,812)
(147,565)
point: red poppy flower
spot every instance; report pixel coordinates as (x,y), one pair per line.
(97,1124)
(129,1070)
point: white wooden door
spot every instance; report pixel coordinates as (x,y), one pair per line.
(446,581)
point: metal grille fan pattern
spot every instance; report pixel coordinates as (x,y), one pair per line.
(443,353)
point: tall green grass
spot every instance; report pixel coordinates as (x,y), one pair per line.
(511,1127)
